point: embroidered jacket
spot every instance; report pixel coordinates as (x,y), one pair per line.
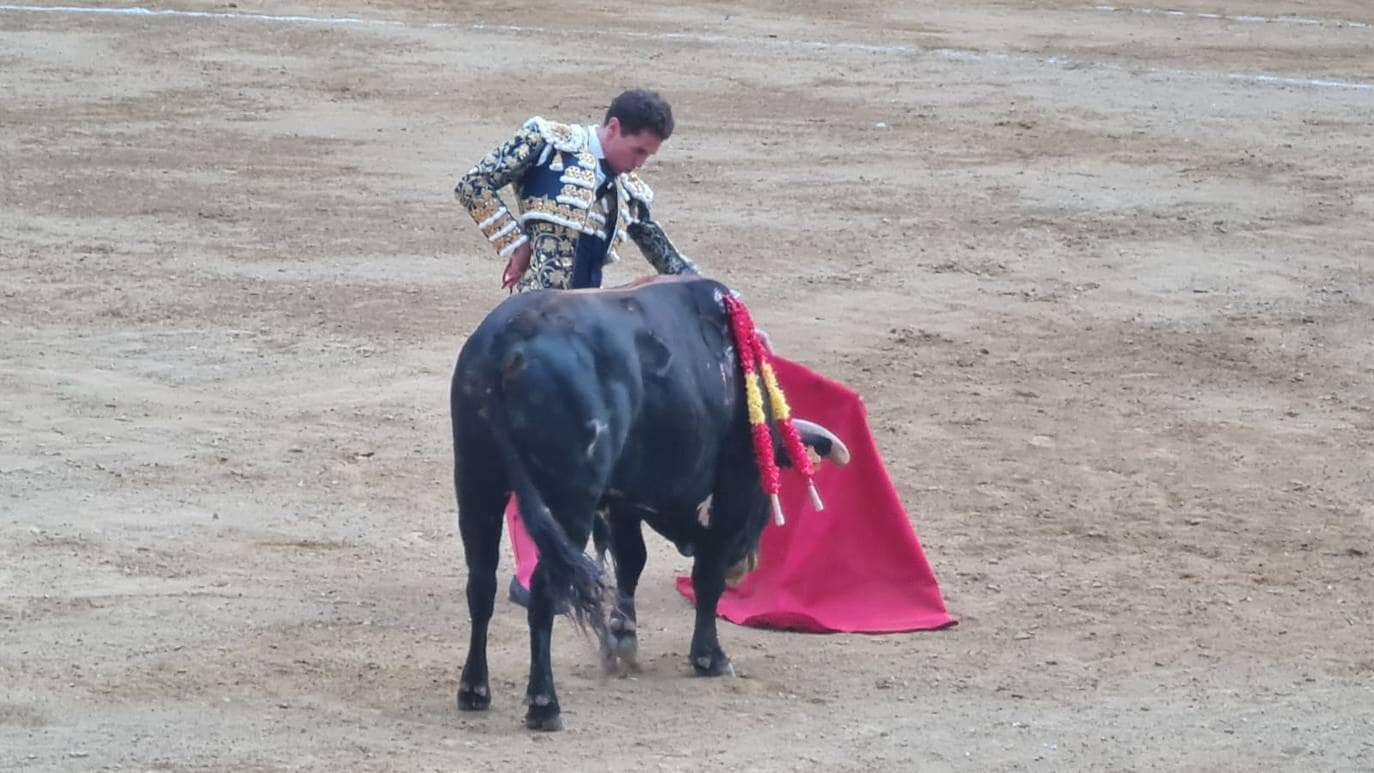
(554,174)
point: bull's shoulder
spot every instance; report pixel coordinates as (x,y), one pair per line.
(692,286)
(654,284)
(690,283)
(681,298)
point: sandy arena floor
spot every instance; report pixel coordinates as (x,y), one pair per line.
(1105,278)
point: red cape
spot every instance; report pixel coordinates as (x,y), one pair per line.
(856,567)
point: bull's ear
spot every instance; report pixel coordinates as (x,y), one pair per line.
(822,441)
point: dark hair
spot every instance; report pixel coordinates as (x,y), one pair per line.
(640,109)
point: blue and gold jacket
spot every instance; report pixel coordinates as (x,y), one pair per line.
(555,176)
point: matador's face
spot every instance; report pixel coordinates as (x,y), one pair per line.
(627,152)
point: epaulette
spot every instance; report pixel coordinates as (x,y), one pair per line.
(637,188)
(568,138)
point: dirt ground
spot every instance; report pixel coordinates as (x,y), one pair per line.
(1104,276)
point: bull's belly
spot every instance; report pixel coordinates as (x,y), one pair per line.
(676,518)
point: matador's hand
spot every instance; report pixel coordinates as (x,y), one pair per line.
(516,267)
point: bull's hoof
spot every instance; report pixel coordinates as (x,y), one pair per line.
(620,648)
(545,724)
(545,716)
(473,698)
(706,665)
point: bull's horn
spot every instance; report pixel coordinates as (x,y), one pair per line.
(839,454)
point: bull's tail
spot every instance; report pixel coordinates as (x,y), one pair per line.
(574,579)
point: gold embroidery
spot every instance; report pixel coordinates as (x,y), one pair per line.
(561,133)
(578,175)
(636,187)
(582,195)
(509,240)
(504,226)
(488,207)
(484,212)
(493,220)
(545,209)
(494,231)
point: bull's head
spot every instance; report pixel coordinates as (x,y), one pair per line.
(824,446)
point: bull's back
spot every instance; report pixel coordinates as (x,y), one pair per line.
(605,322)
(650,364)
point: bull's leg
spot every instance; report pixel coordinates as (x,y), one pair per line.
(544,712)
(708,581)
(481,498)
(560,448)
(620,650)
(738,510)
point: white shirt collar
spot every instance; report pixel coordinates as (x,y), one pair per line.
(594,142)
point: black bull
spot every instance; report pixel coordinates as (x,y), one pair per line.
(626,402)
